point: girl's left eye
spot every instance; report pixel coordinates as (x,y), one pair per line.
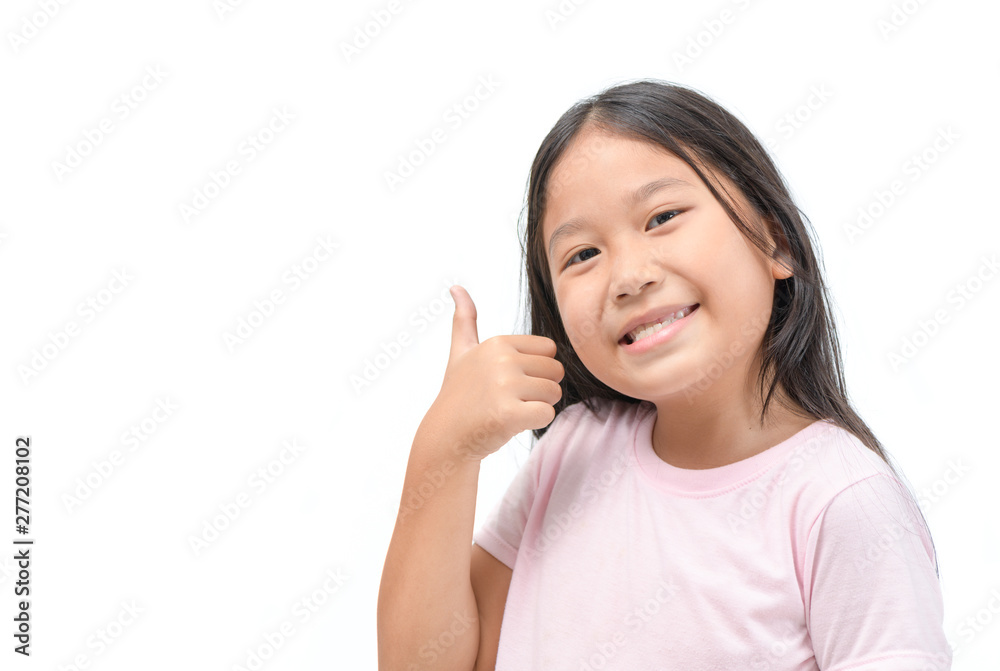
(672,213)
(658,218)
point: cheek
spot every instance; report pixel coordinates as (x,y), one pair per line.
(748,313)
(579,329)
(732,283)
(578,319)
(730,266)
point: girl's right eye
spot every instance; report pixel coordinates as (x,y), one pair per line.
(588,249)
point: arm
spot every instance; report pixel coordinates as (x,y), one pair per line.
(491,582)
(428,617)
(874,600)
(427,612)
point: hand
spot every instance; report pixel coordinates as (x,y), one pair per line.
(495,389)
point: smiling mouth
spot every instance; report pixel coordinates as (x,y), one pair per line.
(642,332)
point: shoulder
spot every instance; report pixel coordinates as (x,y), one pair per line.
(832,459)
(603,427)
(844,482)
(867,538)
(600,414)
(846,500)
(828,463)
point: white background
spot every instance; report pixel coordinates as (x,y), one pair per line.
(161,337)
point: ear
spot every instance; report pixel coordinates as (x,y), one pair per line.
(781,267)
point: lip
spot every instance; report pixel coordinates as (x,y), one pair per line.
(664,335)
(653,315)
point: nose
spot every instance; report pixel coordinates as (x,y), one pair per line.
(634,269)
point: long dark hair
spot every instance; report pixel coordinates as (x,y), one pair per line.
(800,350)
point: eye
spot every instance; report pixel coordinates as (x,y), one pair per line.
(660,217)
(588,249)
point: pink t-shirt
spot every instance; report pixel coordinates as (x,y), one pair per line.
(806,556)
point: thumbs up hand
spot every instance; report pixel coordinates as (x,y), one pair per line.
(492,390)
(464,332)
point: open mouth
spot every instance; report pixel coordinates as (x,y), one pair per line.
(646,330)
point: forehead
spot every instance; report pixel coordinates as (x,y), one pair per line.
(598,165)
(591,149)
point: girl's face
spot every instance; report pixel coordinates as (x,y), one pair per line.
(638,251)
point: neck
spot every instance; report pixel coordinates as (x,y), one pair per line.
(709,429)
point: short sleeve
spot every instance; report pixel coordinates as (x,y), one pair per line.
(872,594)
(503,528)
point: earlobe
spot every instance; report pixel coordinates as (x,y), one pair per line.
(781,269)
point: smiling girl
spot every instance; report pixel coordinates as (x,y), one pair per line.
(702,494)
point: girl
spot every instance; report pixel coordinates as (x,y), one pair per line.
(702,494)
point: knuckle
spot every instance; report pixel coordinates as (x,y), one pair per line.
(548,413)
(502,382)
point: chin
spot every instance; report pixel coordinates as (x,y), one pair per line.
(650,393)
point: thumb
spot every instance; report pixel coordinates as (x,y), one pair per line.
(464,335)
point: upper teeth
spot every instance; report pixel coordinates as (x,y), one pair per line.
(652,327)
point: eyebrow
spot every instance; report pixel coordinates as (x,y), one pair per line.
(640,195)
